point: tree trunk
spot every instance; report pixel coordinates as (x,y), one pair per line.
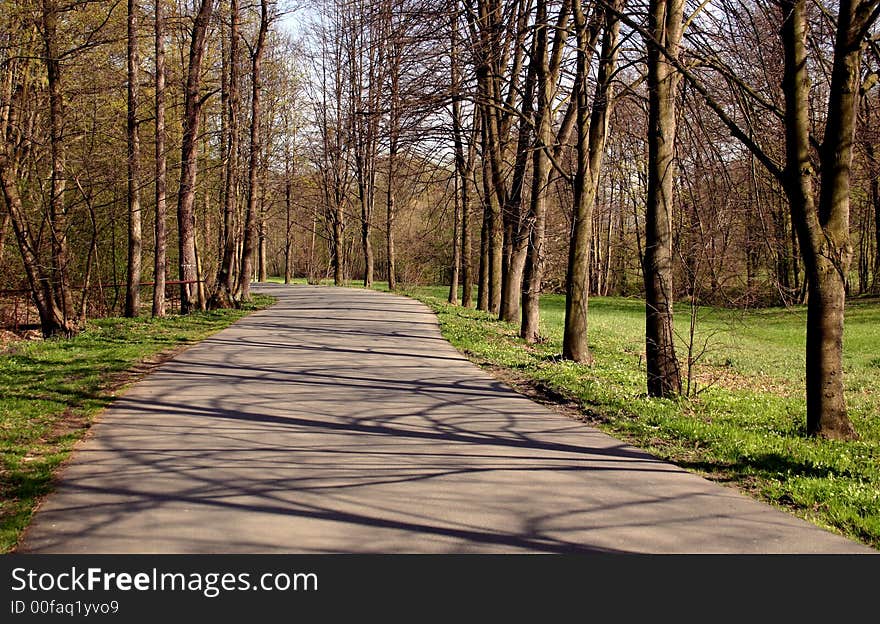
(189,162)
(367,245)
(250,234)
(135,239)
(664,375)
(519,226)
(875,200)
(201,298)
(365,50)
(455,265)
(263,246)
(313,271)
(488,27)
(337,241)
(463,166)
(516,224)
(262,235)
(223,296)
(531,295)
(494,234)
(826,408)
(496,249)
(57,208)
(873,166)
(455,88)
(467,296)
(592,132)
(52,321)
(823,230)
(288,238)
(4,227)
(14,140)
(389,224)
(483,278)
(159,261)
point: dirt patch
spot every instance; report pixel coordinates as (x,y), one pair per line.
(68,422)
(708,376)
(7,336)
(10,339)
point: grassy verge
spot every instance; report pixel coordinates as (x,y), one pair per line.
(745,426)
(50,391)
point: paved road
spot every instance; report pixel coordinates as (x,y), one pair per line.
(340,421)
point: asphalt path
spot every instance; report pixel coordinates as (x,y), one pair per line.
(340,421)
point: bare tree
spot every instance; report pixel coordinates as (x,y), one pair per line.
(247,256)
(497,37)
(159,266)
(464,161)
(665,19)
(394,69)
(230,98)
(135,240)
(592,130)
(193,101)
(548,66)
(823,225)
(57,221)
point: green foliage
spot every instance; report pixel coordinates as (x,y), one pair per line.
(50,390)
(746,424)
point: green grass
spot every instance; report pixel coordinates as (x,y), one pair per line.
(745,425)
(50,390)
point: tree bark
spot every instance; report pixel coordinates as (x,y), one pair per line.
(52,320)
(488,28)
(390,215)
(135,238)
(531,294)
(495,234)
(547,68)
(366,241)
(189,162)
(592,132)
(15,141)
(455,88)
(394,68)
(516,223)
(288,229)
(263,239)
(823,229)
(483,270)
(869,122)
(875,200)
(455,264)
(664,374)
(4,227)
(57,221)
(463,165)
(224,292)
(337,251)
(467,288)
(159,260)
(247,255)
(519,227)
